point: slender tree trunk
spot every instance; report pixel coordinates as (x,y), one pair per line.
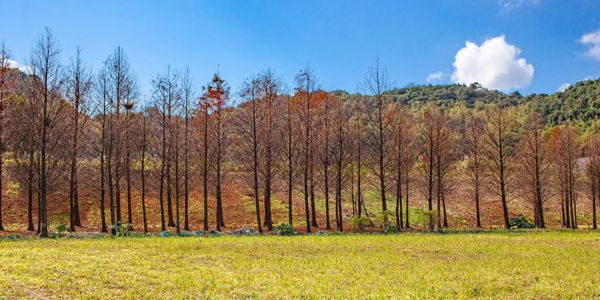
(359,197)
(128,187)
(143,174)
(596,193)
(186,176)
(268,163)
(44,169)
(399,221)
(406,193)
(30,226)
(538,185)
(255,167)
(326,183)
(161,189)
(381,156)
(102,187)
(218,193)
(169,183)
(111,201)
(313,207)
(74,197)
(593,192)
(338,197)
(128,169)
(445,214)
(307,162)
(438,189)
(177,218)
(1,182)
(39,201)
(430,182)
(290,163)
(503,187)
(205,169)
(477,208)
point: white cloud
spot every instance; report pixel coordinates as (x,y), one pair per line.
(435,77)
(563,87)
(508,5)
(15,64)
(592,40)
(495,65)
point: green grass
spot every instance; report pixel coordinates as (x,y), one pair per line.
(532,264)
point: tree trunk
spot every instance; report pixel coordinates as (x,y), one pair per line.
(255,167)
(30,226)
(205,169)
(143,173)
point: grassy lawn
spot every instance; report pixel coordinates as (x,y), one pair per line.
(553,264)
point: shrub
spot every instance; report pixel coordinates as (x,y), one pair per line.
(384,219)
(61,230)
(199,232)
(520,221)
(284,229)
(121,229)
(359,223)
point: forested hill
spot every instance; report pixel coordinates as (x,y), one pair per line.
(579,104)
(447,95)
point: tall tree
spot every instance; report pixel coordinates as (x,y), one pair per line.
(102,91)
(473,153)
(593,170)
(144,146)
(290,135)
(248,141)
(428,139)
(323,102)
(444,158)
(166,93)
(341,154)
(534,164)
(188,94)
(565,148)
(6,85)
(205,105)
(358,133)
(269,89)
(79,86)
(402,142)
(121,88)
(305,86)
(45,96)
(379,125)
(129,132)
(218,92)
(499,138)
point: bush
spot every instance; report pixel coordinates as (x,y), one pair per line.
(520,221)
(61,230)
(359,223)
(121,229)
(186,233)
(384,219)
(284,229)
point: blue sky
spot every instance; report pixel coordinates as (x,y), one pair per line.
(339,38)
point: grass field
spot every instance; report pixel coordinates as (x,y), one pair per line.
(533,264)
